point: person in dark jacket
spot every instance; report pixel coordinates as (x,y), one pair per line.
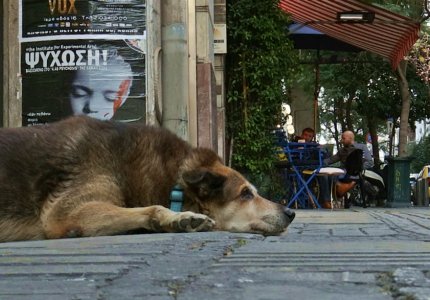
(349,145)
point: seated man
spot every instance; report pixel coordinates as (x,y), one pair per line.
(308,135)
(349,145)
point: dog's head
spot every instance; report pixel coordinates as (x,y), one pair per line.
(227,197)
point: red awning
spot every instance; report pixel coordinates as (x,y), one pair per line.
(389,35)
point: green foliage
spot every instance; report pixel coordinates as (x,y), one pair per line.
(419,57)
(421,155)
(420,96)
(376,96)
(260,58)
(270,184)
(361,94)
(413,9)
(368,81)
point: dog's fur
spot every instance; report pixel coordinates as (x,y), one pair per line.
(84,177)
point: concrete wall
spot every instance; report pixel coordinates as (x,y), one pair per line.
(302,109)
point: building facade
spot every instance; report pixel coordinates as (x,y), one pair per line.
(185,45)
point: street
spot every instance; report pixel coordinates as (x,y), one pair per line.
(374,253)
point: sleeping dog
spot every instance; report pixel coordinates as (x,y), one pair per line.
(83,177)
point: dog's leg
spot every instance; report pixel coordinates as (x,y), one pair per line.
(98,218)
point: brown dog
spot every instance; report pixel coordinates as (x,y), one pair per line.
(84,177)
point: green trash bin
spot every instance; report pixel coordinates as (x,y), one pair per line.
(398,186)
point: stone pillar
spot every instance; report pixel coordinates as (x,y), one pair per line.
(12,100)
(175,67)
(154,95)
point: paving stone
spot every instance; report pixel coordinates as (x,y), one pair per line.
(411,277)
(325,255)
(418,293)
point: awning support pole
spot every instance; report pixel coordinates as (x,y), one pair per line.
(316,91)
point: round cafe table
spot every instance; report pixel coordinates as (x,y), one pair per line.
(333,173)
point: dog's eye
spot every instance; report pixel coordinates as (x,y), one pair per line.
(246,194)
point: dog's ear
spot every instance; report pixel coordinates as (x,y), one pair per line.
(203,183)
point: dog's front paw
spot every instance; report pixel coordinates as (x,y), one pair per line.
(191,222)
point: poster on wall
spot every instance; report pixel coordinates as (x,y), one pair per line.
(104,79)
(77,58)
(72,19)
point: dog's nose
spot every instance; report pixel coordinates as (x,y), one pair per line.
(289,213)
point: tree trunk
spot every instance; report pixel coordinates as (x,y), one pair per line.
(340,119)
(406,103)
(348,115)
(335,122)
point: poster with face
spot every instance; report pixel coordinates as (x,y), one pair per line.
(102,79)
(76,59)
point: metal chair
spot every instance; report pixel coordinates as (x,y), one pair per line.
(354,171)
(302,157)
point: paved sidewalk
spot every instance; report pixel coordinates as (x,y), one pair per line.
(345,254)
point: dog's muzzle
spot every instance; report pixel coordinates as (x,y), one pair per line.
(289,213)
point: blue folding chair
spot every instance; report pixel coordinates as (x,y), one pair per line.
(303,163)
